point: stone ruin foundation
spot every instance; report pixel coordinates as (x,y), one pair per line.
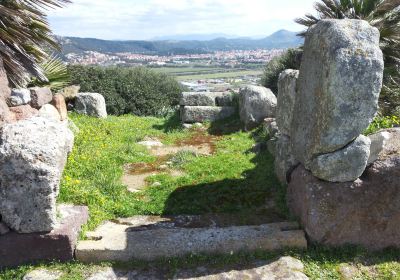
(343,187)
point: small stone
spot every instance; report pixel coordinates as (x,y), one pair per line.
(40,96)
(61,106)
(187,125)
(19,96)
(42,274)
(378,143)
(151,143)
(255,104)
(50,112)
(156,184)
(23,112)
(345,165)
(347,272)
(91,104)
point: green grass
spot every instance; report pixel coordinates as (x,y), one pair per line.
(233,180)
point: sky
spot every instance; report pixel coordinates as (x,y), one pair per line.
(147,19)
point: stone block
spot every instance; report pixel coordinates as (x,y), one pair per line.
(59,245)
(194,114)
(23,112)
(19,96)
(61,106)
(40,96)
(287,88)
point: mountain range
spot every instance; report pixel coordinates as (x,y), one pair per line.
(278,40)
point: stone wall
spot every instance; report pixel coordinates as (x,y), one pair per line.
(335,174)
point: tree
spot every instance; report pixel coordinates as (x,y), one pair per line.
(24,36)
(385,16)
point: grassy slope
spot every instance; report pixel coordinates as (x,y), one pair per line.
(230,181)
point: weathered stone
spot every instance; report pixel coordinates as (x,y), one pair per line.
(378,143)
(284,160)
(91,104)
(344,165)
(285,268)
(193,114)
(19,96)
(42,274)
(197,99)
(23,112)
(4,88)
(59,102)
(3,229)
(32,157)
(287,88)
(224,99)
(151,143)
(148,239)
(18,249)
(338,88)
(364,212)
(40,96)
(255,104)
(6,115)
(48,111)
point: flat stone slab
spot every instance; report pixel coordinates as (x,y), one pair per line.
(206,99)
(18,249)
(200,114)
(151,238)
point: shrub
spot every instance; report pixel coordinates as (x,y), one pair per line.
(139,91)
(382,122)
(291,59)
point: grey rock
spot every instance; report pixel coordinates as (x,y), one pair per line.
(33,153)
(40,97)
(270,127)
(144,239)
(287,88)
(197,99)
(42,274)
(338,88)
(4,229)
(224,99)
(48,111)
(91,104)
(378,143)
(194,114)
(151,143)
(255,104)
(285,162)
(364,212)
(344,165)
(19,96)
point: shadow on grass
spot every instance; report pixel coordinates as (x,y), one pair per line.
(226,126)
(170,124)
(258,192)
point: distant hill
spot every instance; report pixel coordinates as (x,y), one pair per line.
(278,40)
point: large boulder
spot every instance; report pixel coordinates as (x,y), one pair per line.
(287,88)
(364,212)
(199,114)
(284,159)
(343,165)
(19,96)
(33,153)
(338,88)
(91,104)
(255,104)
(4,88)
(40,96)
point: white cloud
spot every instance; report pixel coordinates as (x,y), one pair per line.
(138,19)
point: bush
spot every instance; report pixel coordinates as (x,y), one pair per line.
(291,59)
(139,91)
(382,122)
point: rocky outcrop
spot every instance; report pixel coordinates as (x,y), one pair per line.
(338,88)
(40,96)
(91,104)
(30,173)
(255,104)
(19,96)
(344,165)
(364,212)
(199,114)
(287,88)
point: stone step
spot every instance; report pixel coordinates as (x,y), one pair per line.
(151,238)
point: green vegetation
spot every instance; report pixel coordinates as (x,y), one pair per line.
(56,72)
(139,91)
(289,60)
(382,14)
(24,32)
(382,122)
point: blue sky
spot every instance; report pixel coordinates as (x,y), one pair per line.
(146,19)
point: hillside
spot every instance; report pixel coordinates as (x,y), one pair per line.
(278,40)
